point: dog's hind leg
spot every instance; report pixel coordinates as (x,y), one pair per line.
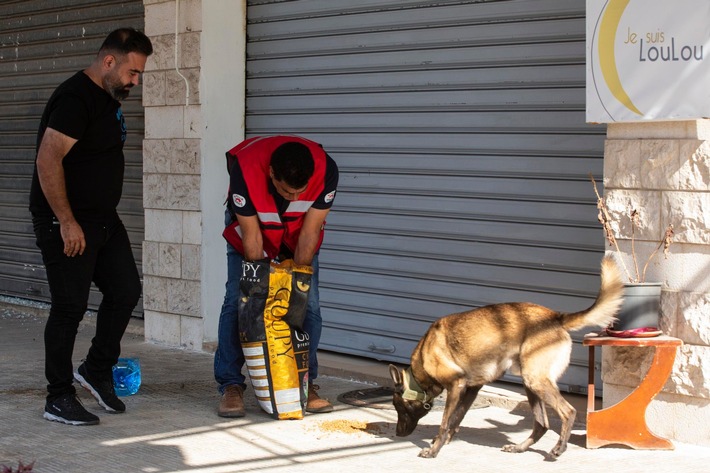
(549,393)
(540,424)
(567,413)
(458,401)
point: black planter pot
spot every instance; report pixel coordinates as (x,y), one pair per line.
(641,306)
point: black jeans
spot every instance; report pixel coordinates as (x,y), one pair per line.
(107,262)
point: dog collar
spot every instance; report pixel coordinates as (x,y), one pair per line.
(412,390)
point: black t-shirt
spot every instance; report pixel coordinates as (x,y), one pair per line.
(93,168)
(238,186)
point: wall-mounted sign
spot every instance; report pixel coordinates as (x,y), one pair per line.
(648,60)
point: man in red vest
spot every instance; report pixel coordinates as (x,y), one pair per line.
(281,189)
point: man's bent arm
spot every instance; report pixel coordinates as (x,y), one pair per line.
(251,237)
(52,150)
(310,236)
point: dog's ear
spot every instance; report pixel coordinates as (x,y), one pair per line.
(397,378)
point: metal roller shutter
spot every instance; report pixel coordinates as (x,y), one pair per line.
(41,44)
(460,133)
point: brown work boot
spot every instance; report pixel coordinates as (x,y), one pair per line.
(315,404)
(232,402)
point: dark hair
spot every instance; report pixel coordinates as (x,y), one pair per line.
(127,40)
(292,163)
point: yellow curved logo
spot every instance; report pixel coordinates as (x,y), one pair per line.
(611,17)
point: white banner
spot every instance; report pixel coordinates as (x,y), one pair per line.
(648,60)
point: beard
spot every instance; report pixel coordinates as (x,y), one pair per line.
(115,88)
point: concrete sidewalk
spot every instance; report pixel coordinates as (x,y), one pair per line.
(171,425)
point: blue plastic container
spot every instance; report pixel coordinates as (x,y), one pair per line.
(127,376)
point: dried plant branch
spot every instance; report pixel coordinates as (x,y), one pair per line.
(665,243)
(635,216)
(634,223)
(605,220)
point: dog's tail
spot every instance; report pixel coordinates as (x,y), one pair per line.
(603,312)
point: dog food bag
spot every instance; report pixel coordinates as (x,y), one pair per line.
(272,308)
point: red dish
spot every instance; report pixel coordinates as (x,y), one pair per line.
(645,332)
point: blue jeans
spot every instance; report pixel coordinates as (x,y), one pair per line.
(229,357)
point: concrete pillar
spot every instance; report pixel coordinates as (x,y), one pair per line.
(193,95)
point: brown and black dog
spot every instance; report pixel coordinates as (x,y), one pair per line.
(462,352)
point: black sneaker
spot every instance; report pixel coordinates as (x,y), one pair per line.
(101,388)
(69,410)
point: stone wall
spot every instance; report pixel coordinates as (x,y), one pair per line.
(194,98)
(663,171)
(172,175)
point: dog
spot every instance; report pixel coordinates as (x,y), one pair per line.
(462,352)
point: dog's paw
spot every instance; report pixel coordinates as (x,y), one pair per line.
(428,453)
(558,450)
(514,448)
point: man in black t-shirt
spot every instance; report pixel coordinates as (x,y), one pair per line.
(76,187)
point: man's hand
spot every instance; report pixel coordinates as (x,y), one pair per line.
(73,237)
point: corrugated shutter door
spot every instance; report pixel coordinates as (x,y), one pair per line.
(41,44)
(460,134)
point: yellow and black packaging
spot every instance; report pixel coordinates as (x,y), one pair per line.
(272,308)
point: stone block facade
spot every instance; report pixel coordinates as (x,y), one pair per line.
(172,175)
(662,170)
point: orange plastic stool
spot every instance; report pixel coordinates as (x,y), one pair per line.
(625,422)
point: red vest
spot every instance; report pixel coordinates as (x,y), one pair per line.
(253,156)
